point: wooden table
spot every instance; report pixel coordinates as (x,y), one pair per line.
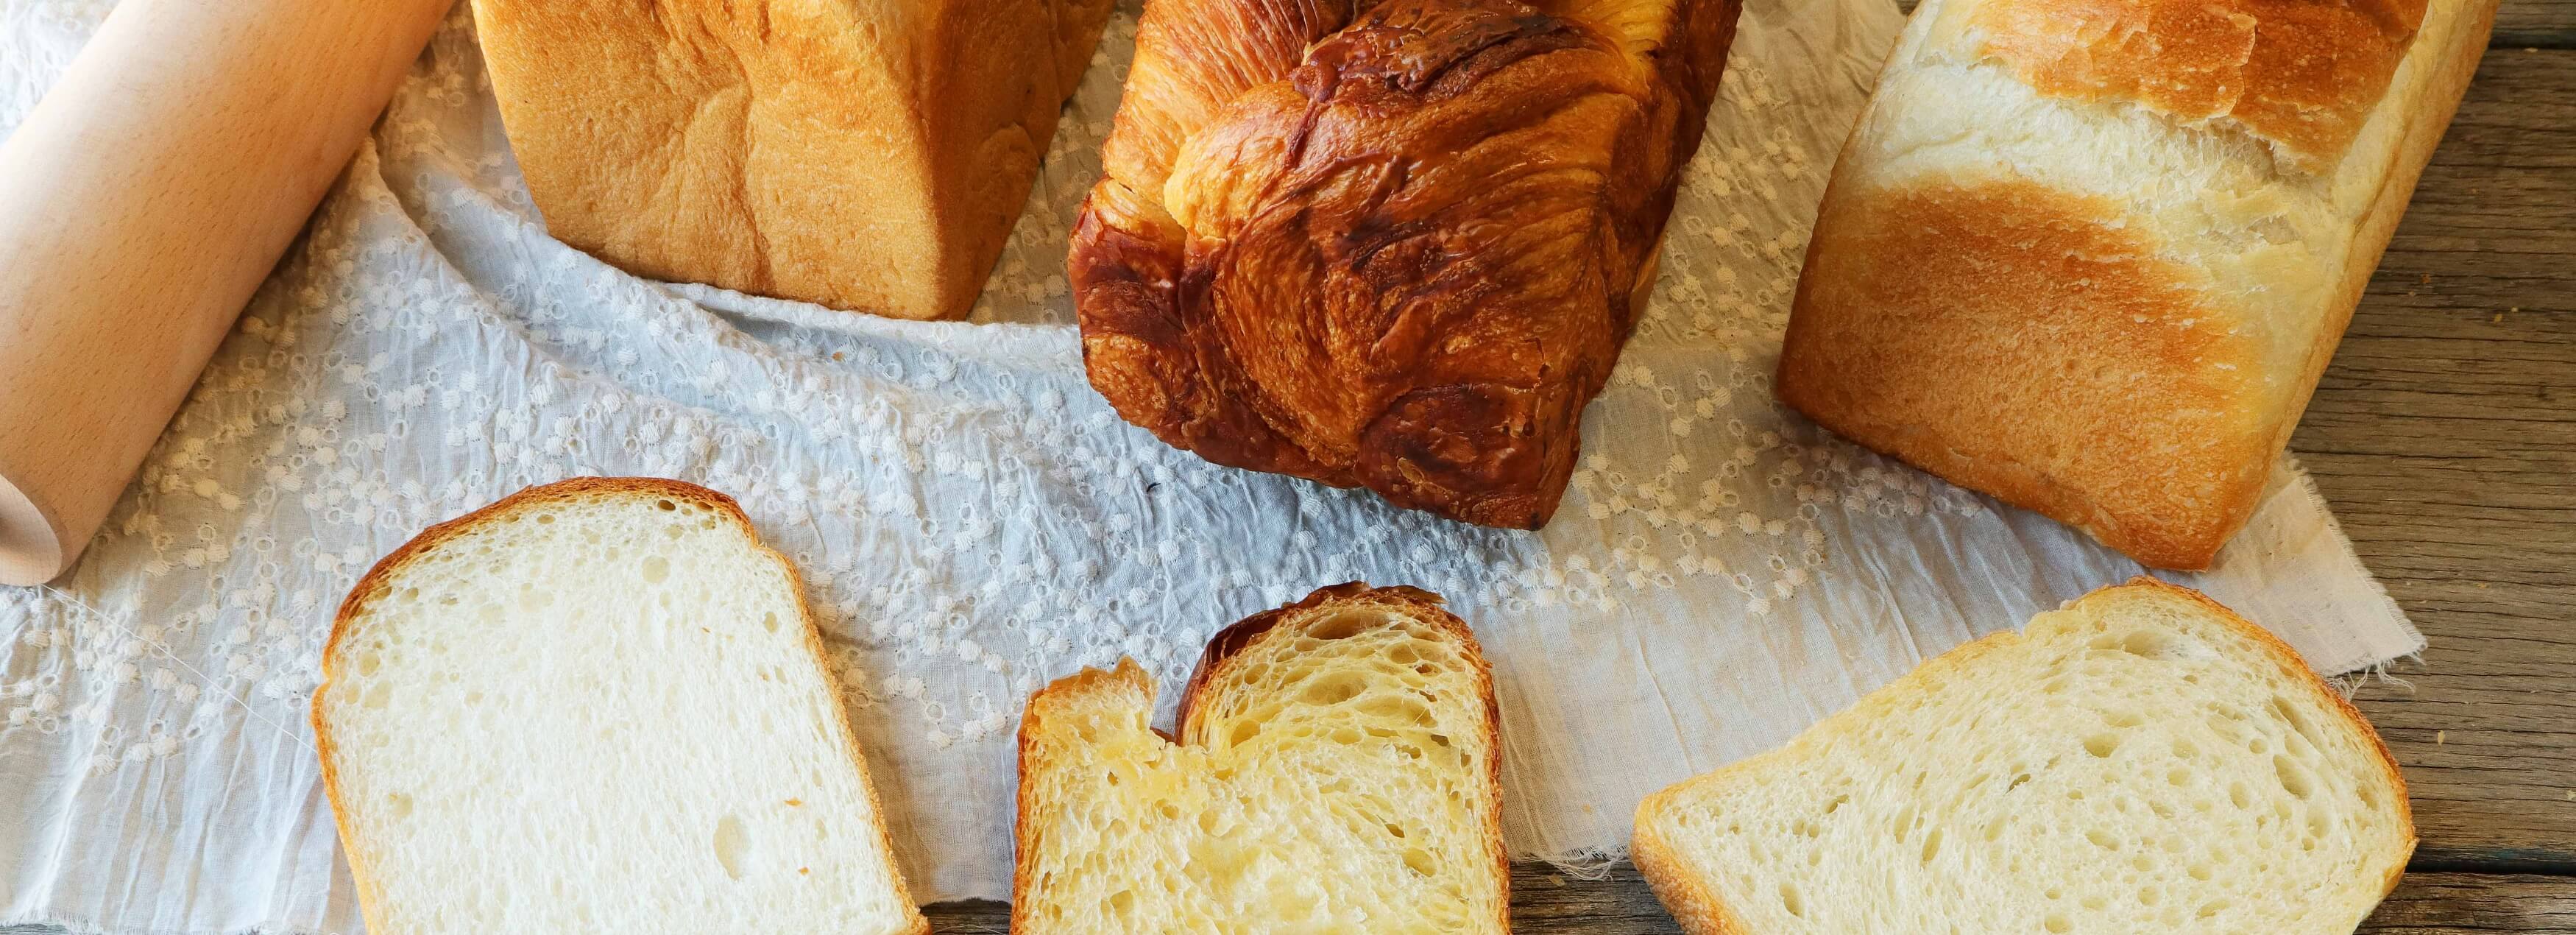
(2445,438)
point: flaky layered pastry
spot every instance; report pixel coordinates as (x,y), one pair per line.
(1393,245)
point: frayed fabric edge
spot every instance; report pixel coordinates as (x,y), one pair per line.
(2307,484)
(2351,683)
(1590,864)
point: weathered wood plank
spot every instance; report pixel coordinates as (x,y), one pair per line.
(2542,23)
(2446,903)
(1543,901)
(2445,437)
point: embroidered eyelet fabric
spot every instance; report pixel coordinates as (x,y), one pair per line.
(972,521)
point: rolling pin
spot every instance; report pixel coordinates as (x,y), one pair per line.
(141,203)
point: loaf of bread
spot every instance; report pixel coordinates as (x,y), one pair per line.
(869,156)
(1394,245)
(2141,760)
(597,706)
(1337,770)
(2091,256)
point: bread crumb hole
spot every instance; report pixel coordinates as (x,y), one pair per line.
(665,505)
(769,622)
(1122,902)
(732,845)
(2057,922)
(1419,861)
(1791,901)
(2101,745)
(399,804)
(1343,626)
(656,568)
(2294,778)
(1333,691)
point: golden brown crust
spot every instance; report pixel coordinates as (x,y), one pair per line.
(2301,74)
(1241,634)
(1230,643)
(1405,260)
(1692,902)
(1915,334)
(2094,357)
(805,151)
(372,585)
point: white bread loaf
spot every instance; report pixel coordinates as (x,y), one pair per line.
(597,706)
(2091,256)
(863,154)
(1337,770)
(2141,760)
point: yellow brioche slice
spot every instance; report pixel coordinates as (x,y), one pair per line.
(2140,760)
(1337,769)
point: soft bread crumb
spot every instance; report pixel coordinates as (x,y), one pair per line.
(1335,772)
(597,706)
(2139,761)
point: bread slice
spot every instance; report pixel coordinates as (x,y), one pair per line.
(2141,760)
(869,155)
(597,706)
(1337,770)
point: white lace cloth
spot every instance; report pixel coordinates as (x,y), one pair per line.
(973,521)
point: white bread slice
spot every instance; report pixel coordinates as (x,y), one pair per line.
(597,705)
(1337,771)
(2140,760)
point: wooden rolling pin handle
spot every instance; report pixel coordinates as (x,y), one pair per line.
(141,203)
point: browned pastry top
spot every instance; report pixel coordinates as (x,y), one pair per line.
(2300,74)
(1402,256)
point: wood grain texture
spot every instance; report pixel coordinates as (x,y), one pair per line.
(1545,902)
(2548,24)
(2444,436)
